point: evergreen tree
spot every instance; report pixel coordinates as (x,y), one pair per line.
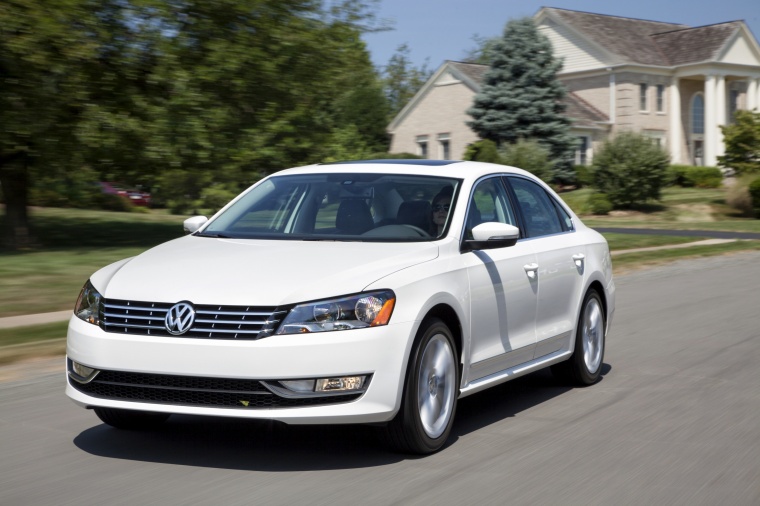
(520,97)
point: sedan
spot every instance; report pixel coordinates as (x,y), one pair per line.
(370,292)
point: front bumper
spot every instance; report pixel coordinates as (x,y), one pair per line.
(380,352)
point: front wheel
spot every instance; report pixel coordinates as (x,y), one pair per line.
(430,392)
(131,420)
(585,364)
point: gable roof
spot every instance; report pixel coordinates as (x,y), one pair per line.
(581,113)
(645,42)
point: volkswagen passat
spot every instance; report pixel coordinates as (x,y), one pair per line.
(365,292)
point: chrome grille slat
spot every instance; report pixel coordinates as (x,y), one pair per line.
(212,322)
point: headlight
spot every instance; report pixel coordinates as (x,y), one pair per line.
(369,309)
(88,304)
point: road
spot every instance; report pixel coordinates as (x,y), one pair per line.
(674,420)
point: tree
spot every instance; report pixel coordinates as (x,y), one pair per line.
(179,95)
(742,143)
(630,170)
(402,79)
(528,155)
(520,97)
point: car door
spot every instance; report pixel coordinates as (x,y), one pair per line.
(560,256)
(503,290)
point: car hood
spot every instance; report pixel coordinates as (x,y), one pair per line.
(205,270)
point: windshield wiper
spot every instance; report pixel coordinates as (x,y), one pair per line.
(215,236)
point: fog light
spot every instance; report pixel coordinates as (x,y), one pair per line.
(345,384)
(299,385)
(82,373)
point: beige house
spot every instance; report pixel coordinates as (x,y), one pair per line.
(671,82)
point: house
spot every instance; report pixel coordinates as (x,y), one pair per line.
(673,83)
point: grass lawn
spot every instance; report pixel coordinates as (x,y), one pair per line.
(73,244)
(679,209)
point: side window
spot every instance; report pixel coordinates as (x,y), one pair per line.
(488,202)
(538,209)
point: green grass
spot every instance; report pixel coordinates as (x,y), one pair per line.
(71,245)
(33,333)
(629,241)
(679,208)
(628,261)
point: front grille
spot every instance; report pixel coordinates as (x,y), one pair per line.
(211,322)
(194,391)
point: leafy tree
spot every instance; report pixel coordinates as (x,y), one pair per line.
(402,79)
(742,143)
(528,155)
(630,170)
(178,95)
(520,97)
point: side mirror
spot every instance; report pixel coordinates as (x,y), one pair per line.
(194,223)
(491,235)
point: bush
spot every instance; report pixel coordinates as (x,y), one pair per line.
(483,151)
(630,170)
(689,176)
(598,203)
(528,155)
(584,176)
(393,156)
(754,193)
(738,196)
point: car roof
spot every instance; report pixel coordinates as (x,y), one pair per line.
(442,168)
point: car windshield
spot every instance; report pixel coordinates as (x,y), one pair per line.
(344,207)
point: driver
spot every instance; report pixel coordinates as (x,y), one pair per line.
(441,205)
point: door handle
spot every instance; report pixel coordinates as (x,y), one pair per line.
(578,259)
(531,270)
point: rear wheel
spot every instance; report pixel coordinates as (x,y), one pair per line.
(585,364)
(131,420)
(430,392)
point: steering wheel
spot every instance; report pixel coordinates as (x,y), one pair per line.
(417,229)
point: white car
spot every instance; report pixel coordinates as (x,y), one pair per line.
(365,292)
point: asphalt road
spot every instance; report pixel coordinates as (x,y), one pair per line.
(675,420)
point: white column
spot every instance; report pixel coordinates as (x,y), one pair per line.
(720,113)
(675,121)
(757,93)
(710,122)
(751,93)
(613,98)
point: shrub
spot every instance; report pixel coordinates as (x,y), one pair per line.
(689,176)
(742,139)
(393,156)
(598,203)
(528,155)
(754,193)
(483,151)
(738,197)
(584,176)
(215,198)
(630,170)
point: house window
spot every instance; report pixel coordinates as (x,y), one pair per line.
(656,136)
(581,152)
(422,146)
(660,98)
(643,97)
(733,105)
(444,144)
(698,115)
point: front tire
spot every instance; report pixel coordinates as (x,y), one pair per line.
(424,421)
(131,420)
(585,364)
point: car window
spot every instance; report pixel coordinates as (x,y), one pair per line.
(338,206)
(489,202)
(537,208)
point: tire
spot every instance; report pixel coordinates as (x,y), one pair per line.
(431,388)
(584,367)
(131,420)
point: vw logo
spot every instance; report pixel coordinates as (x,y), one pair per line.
(179,318)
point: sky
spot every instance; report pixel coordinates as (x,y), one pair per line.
(439,30)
